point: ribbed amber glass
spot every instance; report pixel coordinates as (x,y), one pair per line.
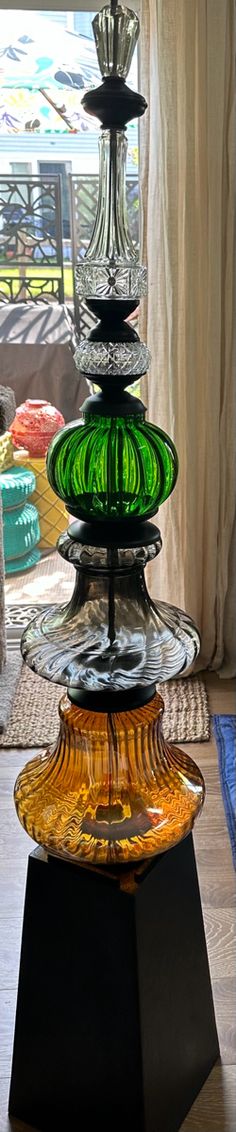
(111,789)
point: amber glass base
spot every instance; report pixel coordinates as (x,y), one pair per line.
(111,789)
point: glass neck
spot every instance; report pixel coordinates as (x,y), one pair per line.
(113,595)
(111,240)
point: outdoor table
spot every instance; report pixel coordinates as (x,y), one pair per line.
(36,358)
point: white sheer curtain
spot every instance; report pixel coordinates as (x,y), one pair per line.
(187,191)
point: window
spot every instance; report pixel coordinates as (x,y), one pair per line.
(83,23)
(19,168)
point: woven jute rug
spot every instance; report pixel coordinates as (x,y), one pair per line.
(9,679)
(34,717)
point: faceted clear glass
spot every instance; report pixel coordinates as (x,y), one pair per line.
(115,35)
(112,359)
(110,789)
(109,282)
(112,467)
(111,636)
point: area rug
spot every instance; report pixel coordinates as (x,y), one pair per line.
(225,734)
(9,679)
(34,717)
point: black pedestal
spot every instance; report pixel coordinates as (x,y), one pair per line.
(115,1025)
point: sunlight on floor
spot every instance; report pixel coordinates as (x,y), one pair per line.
(51,580)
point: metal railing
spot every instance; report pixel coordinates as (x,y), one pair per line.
(31,244)
(31,255)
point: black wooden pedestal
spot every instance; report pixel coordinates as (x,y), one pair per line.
(115,1026)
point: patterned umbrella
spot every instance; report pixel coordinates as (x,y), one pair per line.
(32,111)
(31,76)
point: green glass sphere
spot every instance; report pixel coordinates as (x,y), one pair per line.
(112,467)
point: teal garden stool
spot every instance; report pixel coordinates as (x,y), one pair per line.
(21,530)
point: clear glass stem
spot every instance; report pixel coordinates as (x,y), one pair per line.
(111,240)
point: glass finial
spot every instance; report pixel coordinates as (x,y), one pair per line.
(116,30)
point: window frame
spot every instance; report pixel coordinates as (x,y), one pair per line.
(59,5)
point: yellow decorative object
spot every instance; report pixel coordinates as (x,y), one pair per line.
(111,789)
(52,513)
(6,451)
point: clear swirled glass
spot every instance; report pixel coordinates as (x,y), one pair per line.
(112,467)
(111,636)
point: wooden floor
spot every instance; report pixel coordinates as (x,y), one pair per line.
(215,1108)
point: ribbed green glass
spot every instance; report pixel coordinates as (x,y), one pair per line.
(112,467)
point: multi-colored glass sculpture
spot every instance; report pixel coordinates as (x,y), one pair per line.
(111,789)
